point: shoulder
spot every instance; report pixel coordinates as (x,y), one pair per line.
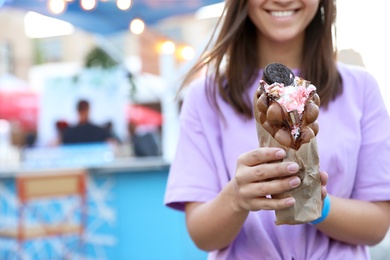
(197,95)
(358,84)
(198,110)
(195,90)
(355,74)
(362,87)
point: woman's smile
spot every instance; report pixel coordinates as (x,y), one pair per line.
(282,21)
(282,14)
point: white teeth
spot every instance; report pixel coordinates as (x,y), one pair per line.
(282,13)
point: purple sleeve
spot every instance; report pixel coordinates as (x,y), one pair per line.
(373,177)
(193,175)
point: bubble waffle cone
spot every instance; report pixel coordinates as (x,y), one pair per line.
(286,109)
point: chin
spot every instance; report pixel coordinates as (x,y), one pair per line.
(285,37)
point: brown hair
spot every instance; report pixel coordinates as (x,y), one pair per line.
(237,43)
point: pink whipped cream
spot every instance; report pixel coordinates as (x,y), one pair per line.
(291,97)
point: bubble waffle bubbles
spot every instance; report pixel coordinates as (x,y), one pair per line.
(287,106)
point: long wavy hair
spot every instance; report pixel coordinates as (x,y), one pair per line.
(233,62)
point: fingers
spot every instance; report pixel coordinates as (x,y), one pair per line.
(253,196)
(324,192)
(266,171)
(276,186)
(261,173)
(324,180)
(261,155)
(271,204)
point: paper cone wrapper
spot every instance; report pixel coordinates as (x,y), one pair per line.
(308,203)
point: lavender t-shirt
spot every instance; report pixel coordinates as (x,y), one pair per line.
(354,148)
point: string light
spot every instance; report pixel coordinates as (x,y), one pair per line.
(137,26)
(123,4)
(56,6)
(186,53)
(59,6)
(88,4)
(168,47)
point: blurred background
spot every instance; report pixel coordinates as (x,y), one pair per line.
(126,59)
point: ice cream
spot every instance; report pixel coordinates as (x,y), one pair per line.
(287,108)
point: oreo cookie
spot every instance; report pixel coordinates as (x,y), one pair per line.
(277,72)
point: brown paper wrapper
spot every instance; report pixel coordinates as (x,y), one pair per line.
(308,205)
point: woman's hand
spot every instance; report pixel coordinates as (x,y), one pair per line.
(259,174)
(216,223)
(324,181)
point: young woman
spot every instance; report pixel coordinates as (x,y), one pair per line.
(221,178)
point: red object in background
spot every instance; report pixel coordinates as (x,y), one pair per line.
(20,107)
(142,115)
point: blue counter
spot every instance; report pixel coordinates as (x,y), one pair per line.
(126,215)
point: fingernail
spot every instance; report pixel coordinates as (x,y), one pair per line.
(280,154)
(290,201)
(295,182)
(293,167)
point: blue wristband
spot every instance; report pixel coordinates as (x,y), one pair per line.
(325,212)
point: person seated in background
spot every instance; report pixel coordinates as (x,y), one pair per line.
(84,131)
(145,140)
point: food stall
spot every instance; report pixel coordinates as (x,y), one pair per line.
(122,196)
(123,213)
(126,218)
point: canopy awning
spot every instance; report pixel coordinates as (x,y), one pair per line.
(107,18)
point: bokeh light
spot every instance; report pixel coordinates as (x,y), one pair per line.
(186,53)
(123,4)
(168,47)
(56,6)
(137,26)
(88,4)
